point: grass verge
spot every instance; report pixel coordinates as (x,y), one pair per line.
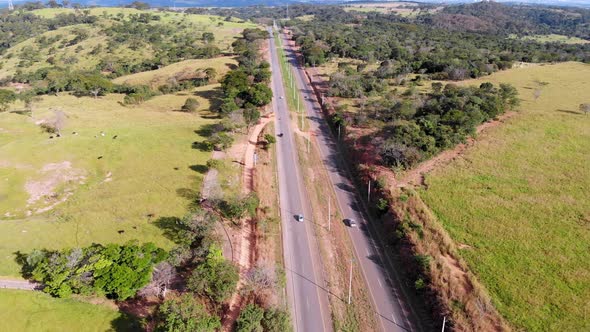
(294,100)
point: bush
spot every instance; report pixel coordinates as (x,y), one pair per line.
(214,163)
(215,278)
(250,319)
(399,155)
(115,270)
(276,320)
(190,105)
(185,314)
(270,139)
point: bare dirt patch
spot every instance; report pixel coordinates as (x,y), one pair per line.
(56,183)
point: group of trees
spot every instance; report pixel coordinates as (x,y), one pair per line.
(254,318)
(116,271)
(169,43)
(245,89)
(415,46)
(421,126)
(19,26)
(516,19)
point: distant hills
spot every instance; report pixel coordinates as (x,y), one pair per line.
(244,3)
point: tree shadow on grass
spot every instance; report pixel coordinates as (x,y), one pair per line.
(199,168)
(126,322)
(208,129)
(214,96)
(171,227)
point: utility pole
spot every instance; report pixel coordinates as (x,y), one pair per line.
(308,144)
(444,322)
(369,192)
(302,124)
(329,213)
(350,282)
(339,131)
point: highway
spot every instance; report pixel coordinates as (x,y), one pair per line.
(306,291)
(387,296)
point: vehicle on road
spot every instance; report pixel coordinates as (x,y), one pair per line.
(299,217)
(350,222)
(281,97)
(280,135)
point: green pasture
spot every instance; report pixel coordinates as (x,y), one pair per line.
(113,189)
(519,201)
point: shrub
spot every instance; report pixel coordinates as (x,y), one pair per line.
(250,319)
(276,320)
(190,105)
(270,139)
(115,270)
(185,314)
(215,278)
(214,163)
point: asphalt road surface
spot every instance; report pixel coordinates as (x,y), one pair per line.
(306,291)
(383,287)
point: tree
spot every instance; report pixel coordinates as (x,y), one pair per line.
(259,95)
(6,97)
(215,278)
(585,108)
(139,5)
(29,98)
(251,116)
(210,74)
(185,314)
(208,37)
(276,320)
(161,279)
(270,139)
(117,271)
(399,155)
(250,319)
(190,105)
(259,279)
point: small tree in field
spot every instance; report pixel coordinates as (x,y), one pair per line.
(585,108)
(6,97)
(190,105)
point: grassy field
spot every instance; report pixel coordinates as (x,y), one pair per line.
(225,31)
(34,311)
(85,187)
(81,53)
(519,202)
(553,38)
(160,76)
(399,8)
